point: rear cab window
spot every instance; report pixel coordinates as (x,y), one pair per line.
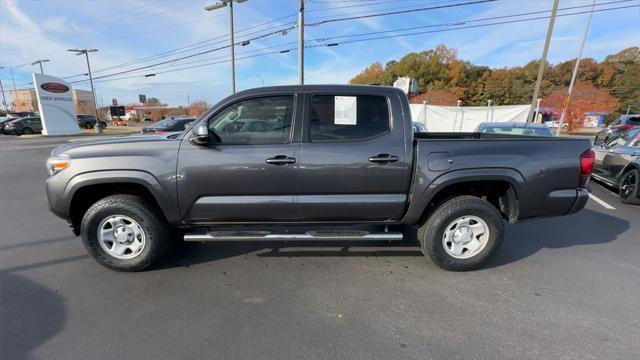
(343,118)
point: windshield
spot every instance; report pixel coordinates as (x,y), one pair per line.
(164,124)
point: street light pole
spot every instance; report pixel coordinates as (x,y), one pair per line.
(218,5)
(233,51)
(4,99)
(575,70)
(98,127)
(40,61)
(301,43)
(543,60)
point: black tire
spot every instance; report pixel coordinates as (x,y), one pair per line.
(103,125)
(630,179)
(431,232)
(88,125)
(26,131)
(156,231)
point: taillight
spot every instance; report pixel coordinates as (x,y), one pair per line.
(159,132)
(587,160)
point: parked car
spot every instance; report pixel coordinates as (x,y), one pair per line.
(168,125)
(89,121)
(622,124)
(21,114)
(618,165)
(3,121)
(418,127)
(23,126)
(515,128)
(349,158)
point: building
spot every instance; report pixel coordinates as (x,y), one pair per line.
(26,100)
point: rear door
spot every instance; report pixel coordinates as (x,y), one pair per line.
(251,175)
(353,162)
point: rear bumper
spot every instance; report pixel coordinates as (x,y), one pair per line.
(581,201)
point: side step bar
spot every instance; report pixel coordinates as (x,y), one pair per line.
(323,235)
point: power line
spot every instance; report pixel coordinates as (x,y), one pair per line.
(375,38)
(400,12)
(273,33)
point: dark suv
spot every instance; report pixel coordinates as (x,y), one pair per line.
(24,126)
(89,121)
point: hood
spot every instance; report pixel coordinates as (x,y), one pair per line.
(109,140)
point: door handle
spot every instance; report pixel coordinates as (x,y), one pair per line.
(383,158)
(280,160)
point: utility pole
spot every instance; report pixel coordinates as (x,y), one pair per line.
(4,99)
(575,70)
(537,110)
(628,109)
(188,100)
(218,5)
(86,52)
(543,60)
(301,43)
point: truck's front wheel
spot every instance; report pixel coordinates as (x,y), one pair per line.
(124,233)
(462,233)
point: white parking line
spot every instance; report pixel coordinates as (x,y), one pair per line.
(601,202)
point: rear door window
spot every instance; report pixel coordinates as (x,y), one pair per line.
(347,118)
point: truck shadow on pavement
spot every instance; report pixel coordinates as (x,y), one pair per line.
(587,227)
(522,240)
(30,314)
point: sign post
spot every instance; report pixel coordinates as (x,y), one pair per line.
(56,107)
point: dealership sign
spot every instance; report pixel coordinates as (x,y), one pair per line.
(56,107)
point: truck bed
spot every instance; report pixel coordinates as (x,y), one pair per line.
(544,172)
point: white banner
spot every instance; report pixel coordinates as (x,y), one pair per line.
(465,118)
(56,107)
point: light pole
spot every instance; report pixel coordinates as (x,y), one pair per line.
(220,4)
(86,52)
(40,61)
(575,71)
(4,99)
(543,60)
(301,43)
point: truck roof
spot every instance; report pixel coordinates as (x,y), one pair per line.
(331,87)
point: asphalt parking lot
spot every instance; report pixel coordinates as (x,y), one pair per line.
(559,288)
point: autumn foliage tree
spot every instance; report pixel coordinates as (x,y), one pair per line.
(441,72)
(584,98)
(197,108)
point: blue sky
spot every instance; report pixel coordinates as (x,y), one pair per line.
(129,30)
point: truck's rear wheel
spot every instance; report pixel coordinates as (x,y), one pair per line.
(462,233)
(124,233)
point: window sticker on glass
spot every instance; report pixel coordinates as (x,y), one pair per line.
(345,110)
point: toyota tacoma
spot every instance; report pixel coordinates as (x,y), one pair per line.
(325,162)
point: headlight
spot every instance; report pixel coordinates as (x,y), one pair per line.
(57,163)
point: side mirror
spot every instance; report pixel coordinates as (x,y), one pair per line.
(200,134)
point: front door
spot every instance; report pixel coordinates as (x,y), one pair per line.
(250,175)
(352,158)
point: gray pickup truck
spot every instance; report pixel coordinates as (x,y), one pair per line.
(298,163)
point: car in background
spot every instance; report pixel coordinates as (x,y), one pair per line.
(3,121)
(89,121)
(617,164)
(177,124)
(515,128)
(418,127)
(24,126)
(21,114)
(613,130)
